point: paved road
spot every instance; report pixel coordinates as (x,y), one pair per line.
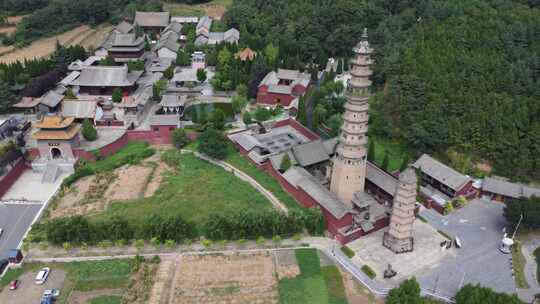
(479,226)
(15,220)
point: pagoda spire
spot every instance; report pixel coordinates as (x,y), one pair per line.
(349,168)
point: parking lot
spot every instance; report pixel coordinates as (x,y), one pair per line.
(28,291)
(479,225)
(15,220)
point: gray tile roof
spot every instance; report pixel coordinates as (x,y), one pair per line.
(51,99)
(107,76)
(124,27)
(168,43)
(441,172)
(185,19)
(121,40)
(310,153)
(246,141)
(185,75)
(300,178)
(330,145)
(508,189)
(174,27)
(279,89)
(273,78)
(408,176)
(231,36)
(152,19)
(70,78)
(381,179)
(79,109)
(204,23)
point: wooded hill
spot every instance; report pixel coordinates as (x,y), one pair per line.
(460,74)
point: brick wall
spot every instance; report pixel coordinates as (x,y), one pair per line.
(11,177)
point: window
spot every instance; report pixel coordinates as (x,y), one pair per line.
(156,129)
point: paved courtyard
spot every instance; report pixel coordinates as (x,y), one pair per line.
(479,226)
(29,187)
(427,252)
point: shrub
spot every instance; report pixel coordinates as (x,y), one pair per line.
(247,119)
(201,75)
(88,131)
(223,243)
(179,138)
(296,237)
(241,242)
(66,246)
(460,201)
(448,207)
(276,239)
(155,242)
(348,251)
(206,243)
(260,241)
(170,244)
(117,95)
(368,271)
(262,114)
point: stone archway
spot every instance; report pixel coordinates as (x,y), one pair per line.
(56,153)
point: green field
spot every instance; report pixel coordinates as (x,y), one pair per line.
(196,190)
(315,284)
(266,180)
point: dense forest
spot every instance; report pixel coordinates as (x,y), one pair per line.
(457,75)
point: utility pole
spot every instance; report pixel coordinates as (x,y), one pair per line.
(517,226)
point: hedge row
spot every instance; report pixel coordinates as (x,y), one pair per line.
(242,224)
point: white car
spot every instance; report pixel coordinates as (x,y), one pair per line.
(55,293)
(42,275)
(1,231)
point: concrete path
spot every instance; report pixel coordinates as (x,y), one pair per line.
(245,177)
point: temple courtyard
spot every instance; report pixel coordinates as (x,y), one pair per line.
(427,252)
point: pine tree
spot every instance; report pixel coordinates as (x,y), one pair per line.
(88,131)
(386,161)
(117,95)
(371,151)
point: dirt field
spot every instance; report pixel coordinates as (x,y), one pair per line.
(240,279)
(28,292)
(83,35)
(214,9)
(79,297)
(93,194)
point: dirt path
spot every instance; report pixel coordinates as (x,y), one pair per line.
(79,297)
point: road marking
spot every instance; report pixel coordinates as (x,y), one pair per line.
(12,229)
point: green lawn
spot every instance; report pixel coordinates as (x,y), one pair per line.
(106,300)
(197,190)
(396,152)
(518,261)
(314,285)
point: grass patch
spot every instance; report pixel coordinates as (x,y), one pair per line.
(348,251)
(314,285)
(368,271)
(518,262)
(396,152)
(106,300)
(334,285)
(537,259)
(266,180)
(93,275)
(196,191)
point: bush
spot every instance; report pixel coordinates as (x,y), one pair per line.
(201,75)
(88,131)
(170,243)
(247,119)
(348,251)
(117,95)
(139,244)
(448,207)
(179,138)
(368,271)
(262,114)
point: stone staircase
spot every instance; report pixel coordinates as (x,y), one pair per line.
(50,174)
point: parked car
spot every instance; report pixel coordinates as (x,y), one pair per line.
(1,232)
(14,284)
(55,293)
(42,275)
(47,300)
(3,265)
